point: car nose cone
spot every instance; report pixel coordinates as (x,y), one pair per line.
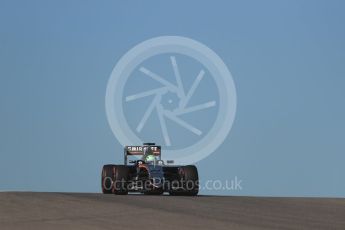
(157,182)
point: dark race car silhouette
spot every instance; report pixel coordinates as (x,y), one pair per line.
(149,175)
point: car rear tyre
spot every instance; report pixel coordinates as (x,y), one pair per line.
(190,181)
(114,179)
(107,179)
(120,186)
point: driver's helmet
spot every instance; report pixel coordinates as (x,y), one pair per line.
(150,158)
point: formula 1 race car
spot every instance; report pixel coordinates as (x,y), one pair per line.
(149,175)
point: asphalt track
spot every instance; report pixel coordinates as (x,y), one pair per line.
(26,210)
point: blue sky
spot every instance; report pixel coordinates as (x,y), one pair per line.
(286,58)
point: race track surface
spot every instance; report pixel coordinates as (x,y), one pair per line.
(26,210)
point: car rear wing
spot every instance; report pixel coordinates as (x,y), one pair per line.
(139,151)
